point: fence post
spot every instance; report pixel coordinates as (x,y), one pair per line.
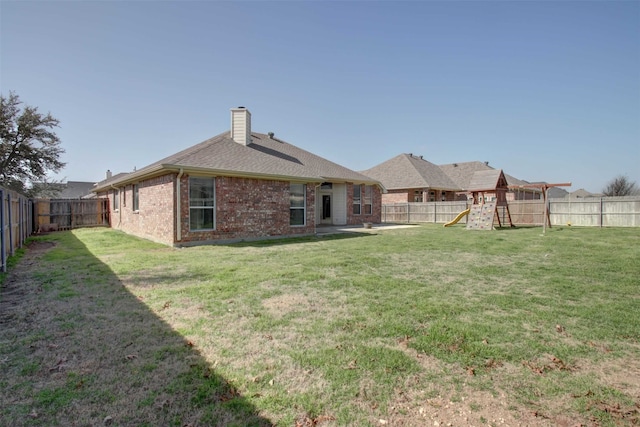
(435,213)
(3,256)
(10,224)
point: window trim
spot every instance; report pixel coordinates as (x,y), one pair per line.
(135,199)
(303,207)
(213,208)
(357,201)
(368,199)
(116,200)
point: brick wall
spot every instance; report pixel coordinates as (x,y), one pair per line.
(395,196)
(376,209)
(247,209)
(154,218)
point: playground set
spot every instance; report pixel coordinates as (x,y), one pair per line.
(487,193)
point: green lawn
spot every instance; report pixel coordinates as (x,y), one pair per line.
(391,327)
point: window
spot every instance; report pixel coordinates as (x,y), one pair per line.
(368,197)
(202,204)
(417,196)
(357,201)
(297,204)
(136,197)
(116,200)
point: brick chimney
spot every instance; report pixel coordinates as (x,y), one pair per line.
(241,125)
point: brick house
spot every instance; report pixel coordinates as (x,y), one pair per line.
(411,178)
(239,185)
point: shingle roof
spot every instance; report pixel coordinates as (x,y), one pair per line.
(408,171)
(487,180)
(461,173)
(75,190)
(265,156)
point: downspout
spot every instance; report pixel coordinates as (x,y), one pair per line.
(178,208)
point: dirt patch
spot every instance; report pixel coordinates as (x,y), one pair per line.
(13,291)
(281,305)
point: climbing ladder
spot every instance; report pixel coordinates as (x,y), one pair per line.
(482,216)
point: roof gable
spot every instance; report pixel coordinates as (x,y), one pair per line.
(263,157)
(407,171)
(487,180)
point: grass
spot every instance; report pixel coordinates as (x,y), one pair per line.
(340,330)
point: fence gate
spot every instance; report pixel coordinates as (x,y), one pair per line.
(66,214)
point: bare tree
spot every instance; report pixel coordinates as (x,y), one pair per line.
(620,186)
(29,148)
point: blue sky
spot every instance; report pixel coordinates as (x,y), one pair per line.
(544,90)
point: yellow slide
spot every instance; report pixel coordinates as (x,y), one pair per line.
(458,218)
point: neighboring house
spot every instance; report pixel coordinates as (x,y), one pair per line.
(557,193)
(239,185)
(582,194)
(62,190)
(410,178)
(76,190)
(462,173)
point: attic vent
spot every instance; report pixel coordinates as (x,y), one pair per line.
(455,165)
(271,134)
(410,154)
(420,157)
(486,163)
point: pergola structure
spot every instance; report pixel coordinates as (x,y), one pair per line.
(544,188)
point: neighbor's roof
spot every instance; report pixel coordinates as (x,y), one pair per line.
(265,157)
(75,190)
(408,171)
(461,173)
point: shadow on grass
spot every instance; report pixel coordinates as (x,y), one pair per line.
(77,348)
(297,240)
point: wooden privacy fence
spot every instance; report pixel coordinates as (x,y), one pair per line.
(16,221)
(587,212)
(66,214)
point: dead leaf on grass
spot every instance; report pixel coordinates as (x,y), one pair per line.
(131,356)
(166,305)
(312,422)
(404,341)
(492,363)
(352,364)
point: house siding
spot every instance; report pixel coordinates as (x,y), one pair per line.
(247,208)
(154,218)
(340,204)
